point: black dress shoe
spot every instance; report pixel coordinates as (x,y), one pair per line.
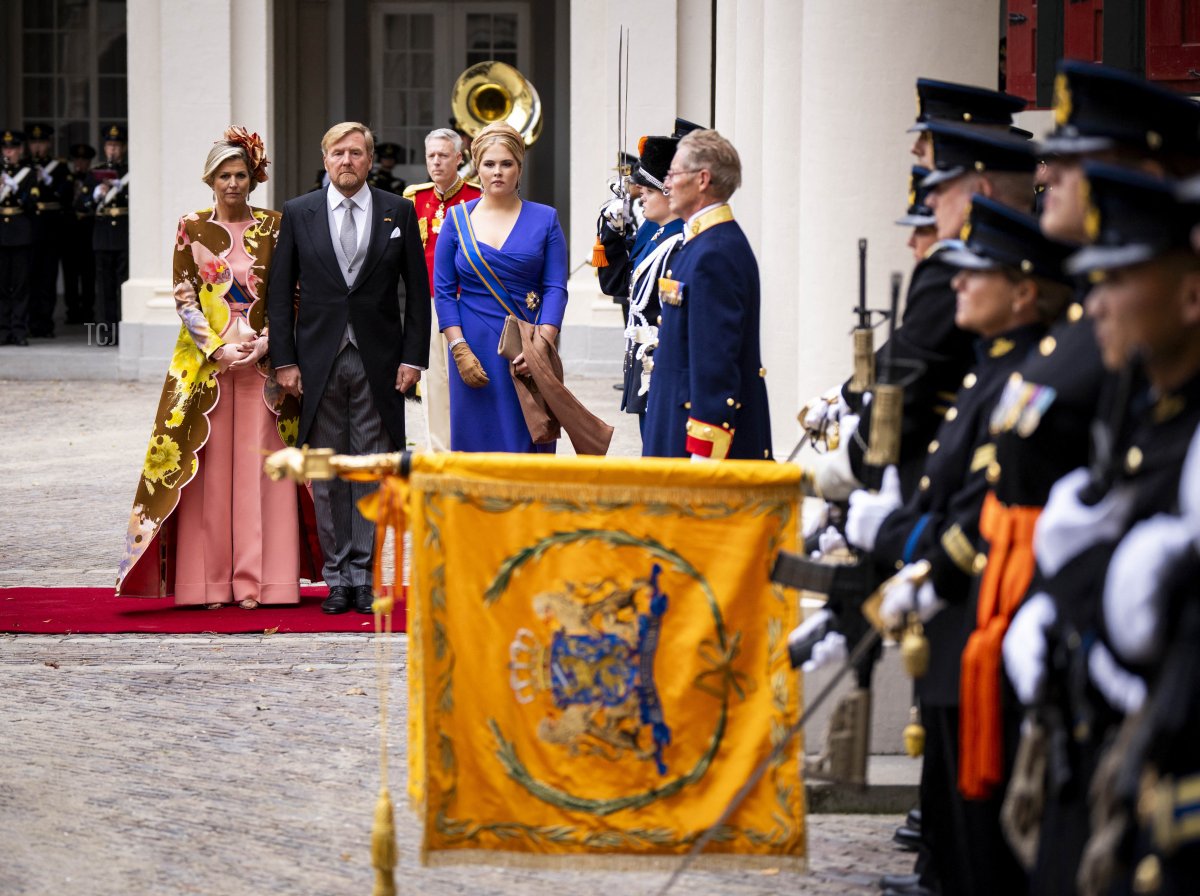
(907,838)
(917,890)
(340,599)
(364,597)
(898,881)
(913,820)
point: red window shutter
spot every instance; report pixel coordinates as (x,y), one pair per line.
(1083,30)
(1021,65)
(1173,43)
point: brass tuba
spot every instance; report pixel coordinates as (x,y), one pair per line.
(494,91)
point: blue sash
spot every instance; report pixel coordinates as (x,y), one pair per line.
(237,294)
(470,248)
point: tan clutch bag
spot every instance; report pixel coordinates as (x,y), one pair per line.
(510,339)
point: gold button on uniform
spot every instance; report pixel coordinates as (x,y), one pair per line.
(668,273)
(980,563)
(951,415)
(729,401)
(762,371)
(659,319)
(970,380)
(1074,312)
(934,446)
(1047,346)
(993,472)
(1133,459)
(924,484)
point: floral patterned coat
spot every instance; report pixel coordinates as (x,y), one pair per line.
(201,279)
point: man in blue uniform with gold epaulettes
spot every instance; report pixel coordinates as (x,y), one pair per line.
(708,395)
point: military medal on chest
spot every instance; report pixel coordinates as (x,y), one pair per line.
(439,217)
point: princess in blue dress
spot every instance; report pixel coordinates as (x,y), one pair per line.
(496,255)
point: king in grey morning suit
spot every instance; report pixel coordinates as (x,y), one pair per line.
(343,342)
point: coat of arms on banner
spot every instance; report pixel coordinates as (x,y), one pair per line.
(597,664)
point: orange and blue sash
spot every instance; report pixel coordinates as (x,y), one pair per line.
(470,248)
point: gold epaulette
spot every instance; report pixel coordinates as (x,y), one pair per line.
(474,182)
(414,189)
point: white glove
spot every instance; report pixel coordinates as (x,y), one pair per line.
(831,540)
(1139,566)
(815,516)
(1123,690)
(832,476)
(1025,646)
(868,510)
(901,596)
(829,651)
(699,458)
(823,410)
(1067,527)
(10,181)
(613,213)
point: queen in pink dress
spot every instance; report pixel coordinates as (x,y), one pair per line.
(207,525)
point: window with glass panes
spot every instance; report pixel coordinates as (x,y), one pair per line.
(419,49)
(73,67)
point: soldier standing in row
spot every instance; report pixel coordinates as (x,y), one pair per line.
(382,178)
(79,271)
(51,192)
(109,198)
(16,239)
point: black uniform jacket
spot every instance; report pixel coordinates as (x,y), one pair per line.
(940,522)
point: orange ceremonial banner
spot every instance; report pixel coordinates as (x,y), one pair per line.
(598,660)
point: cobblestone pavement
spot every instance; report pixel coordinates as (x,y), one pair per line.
(237,764)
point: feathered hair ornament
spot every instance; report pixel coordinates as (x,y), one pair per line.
(255,150)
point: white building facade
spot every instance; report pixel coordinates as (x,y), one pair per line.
(815,94)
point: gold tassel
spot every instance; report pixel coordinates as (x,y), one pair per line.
(383,846)
(599,258)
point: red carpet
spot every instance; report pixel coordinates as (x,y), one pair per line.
(58,611)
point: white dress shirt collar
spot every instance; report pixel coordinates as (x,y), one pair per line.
(334,197)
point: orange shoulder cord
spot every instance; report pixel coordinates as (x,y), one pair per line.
(1010,566)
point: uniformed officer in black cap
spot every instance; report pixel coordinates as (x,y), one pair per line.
(52,199)
(966,160)
(1010,286)
(109,198)
(919,216)
(1045,418)
(1146,307)
(961,104)
(382,178)
(1152,623)
(1109,115)
(79,271)
(16,238)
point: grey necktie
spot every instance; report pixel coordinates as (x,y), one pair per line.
(348,236)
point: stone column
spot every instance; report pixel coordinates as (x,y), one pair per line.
(855,97)
(194,69)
